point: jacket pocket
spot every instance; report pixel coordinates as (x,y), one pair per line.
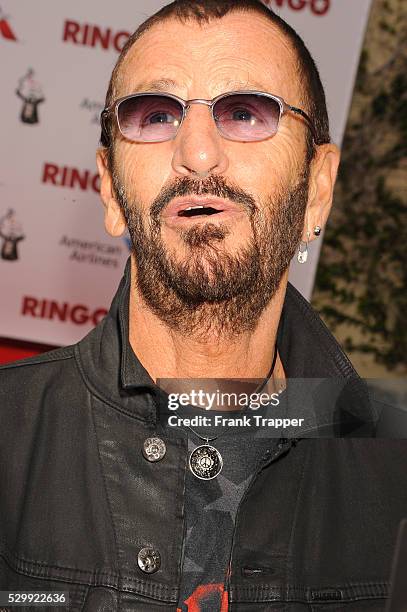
(13,581)
(100,599)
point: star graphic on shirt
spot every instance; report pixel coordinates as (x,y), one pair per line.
(191,566)
(231,495)
(191,445)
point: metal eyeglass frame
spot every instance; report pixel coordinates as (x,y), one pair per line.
(185,104)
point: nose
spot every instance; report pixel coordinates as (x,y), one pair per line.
(198,147)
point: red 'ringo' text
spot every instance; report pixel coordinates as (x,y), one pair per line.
(317,7)
(79,314)
(64,176)
(90,35)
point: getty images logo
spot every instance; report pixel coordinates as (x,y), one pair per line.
(5,28)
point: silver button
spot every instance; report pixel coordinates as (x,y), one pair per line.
(149,560)
(154,449)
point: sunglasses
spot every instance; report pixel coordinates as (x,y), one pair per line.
(244,116)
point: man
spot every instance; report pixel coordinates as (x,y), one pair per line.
(216,157)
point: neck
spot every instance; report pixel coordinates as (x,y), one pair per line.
(167,353)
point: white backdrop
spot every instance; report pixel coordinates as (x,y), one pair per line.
(58,267)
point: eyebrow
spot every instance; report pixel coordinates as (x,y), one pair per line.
(164,84)
(156,85)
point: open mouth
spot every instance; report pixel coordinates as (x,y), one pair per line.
(199,210)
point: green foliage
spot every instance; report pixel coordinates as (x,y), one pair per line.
(362,274)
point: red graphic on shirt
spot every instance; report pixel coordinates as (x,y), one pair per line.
(202,592)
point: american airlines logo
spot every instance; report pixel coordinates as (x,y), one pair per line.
(90,35)
(317,7)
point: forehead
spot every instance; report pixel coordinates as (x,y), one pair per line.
(242,50)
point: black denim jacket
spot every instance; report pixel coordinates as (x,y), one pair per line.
(78,500)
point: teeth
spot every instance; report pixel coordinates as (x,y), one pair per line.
(194,207)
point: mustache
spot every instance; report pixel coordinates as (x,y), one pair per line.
(212,185)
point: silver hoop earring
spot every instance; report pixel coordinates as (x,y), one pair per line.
(317,230)
(302,255)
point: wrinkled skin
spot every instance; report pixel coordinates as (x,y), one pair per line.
(215,290)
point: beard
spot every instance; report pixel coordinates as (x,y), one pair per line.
(211,292)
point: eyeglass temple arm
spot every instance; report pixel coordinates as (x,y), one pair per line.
(304,115)
(104,136)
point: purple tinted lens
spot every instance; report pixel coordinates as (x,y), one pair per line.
(247,117)
(149,118)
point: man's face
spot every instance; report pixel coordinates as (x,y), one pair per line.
(235,258)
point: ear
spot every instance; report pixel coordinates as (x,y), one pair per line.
(324,169)
(115,222)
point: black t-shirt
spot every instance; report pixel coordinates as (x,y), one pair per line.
(211,507)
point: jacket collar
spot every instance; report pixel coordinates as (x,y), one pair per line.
(307,350)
